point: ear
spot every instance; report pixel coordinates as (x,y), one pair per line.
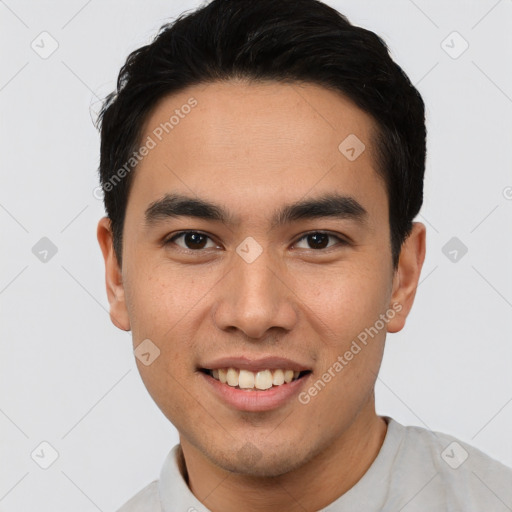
(113,277)
(406,277)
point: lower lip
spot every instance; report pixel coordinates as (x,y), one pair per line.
(256,400)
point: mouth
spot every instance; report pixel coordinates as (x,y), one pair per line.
(250,384)
(260,391)
(248,380)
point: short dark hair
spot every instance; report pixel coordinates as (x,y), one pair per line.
(284,41)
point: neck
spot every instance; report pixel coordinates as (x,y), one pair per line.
(313,486)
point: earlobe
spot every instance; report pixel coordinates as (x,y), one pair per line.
(113,277)
(407,274)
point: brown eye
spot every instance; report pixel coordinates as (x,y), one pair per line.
(191,240)
(319,240)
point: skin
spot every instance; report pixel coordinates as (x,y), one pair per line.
(253,148)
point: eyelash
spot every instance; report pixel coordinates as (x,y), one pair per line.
(341,241)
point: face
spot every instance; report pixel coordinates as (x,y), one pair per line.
(282,261)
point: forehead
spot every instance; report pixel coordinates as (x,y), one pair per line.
(254,143)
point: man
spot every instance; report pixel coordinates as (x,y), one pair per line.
(262,164)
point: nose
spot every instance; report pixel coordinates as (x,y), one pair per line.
(254,298)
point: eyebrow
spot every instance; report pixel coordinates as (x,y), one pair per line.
(326,206)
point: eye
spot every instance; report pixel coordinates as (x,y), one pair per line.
(191,240)
(196,241)
(319,240)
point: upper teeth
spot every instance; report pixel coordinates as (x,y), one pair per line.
(246,379)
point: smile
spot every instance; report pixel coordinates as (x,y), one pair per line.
(248,380)
(259,391)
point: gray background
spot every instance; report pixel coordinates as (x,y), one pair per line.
(67,375)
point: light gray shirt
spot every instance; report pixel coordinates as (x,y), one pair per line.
(415,470)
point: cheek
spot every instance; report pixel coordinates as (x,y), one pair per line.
(165,306)
(347,316)
(344,299)
(159,298)
(161,308)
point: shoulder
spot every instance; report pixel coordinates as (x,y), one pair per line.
(146,500)
(448,452)
(455,471)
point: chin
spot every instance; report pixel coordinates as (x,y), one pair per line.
(251,462)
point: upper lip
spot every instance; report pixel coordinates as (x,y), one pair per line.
(255,365)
